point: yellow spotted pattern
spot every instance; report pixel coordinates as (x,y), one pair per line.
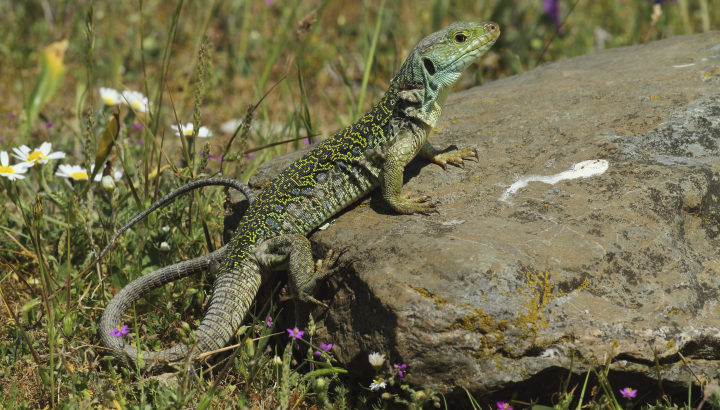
(316,186)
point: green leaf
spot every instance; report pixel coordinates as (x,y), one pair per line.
(52,73)
(325,372)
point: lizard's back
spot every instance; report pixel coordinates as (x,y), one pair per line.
(319,184)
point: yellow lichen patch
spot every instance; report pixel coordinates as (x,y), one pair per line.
(537,293)
(584,285)
(425,293)
(477,321)
(670,344)
(654,97)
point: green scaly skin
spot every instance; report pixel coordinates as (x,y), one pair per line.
(370,153)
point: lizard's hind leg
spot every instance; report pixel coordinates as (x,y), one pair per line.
(294,253)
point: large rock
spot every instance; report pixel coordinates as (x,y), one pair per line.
(533,259)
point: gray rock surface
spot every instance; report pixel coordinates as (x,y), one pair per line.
(496,291)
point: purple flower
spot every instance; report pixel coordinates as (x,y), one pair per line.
(504,406)
(207,169)
(120,332)
(269,322)
(628,393)
(136,126)
(401,369)
(296,333)
(12,114)
(249,156)
(140,142)
(552,9)
(324,347)
(268,2)
(48,124)
(306,141)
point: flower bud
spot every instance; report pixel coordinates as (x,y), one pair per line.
(108,183)
(69,324)
(386,396)
(250,348)
(311,326)
(277,360)
(164,247)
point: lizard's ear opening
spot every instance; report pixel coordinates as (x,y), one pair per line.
(429,66)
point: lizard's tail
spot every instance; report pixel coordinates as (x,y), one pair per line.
(136,289)
(232,295)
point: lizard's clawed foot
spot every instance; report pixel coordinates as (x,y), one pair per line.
(326,267)
(455,157)
(418,205)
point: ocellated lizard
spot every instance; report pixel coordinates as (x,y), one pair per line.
(342,169)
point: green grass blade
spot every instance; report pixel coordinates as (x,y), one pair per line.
(369,60)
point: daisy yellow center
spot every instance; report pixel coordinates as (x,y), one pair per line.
(36,156)
(137,104)
(188,132)
(6,170)
(109,100)
(79,175)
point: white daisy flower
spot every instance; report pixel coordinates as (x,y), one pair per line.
(136,100)
(75,172)
(111,96)
(377,385)
(117,174)
(40,156)
(376,359)
(187,130)
(12,172)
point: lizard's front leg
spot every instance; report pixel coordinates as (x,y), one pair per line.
(406,146)
(453,156)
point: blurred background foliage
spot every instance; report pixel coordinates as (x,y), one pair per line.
(253,44)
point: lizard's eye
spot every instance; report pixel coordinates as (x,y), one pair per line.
(460,38)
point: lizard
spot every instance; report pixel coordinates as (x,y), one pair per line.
(371,153)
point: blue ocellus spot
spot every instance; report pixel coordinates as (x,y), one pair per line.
(271,223)
(278,208)
(296,191)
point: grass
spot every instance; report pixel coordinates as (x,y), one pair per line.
(207,63)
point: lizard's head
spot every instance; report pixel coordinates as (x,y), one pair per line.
(440,58)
